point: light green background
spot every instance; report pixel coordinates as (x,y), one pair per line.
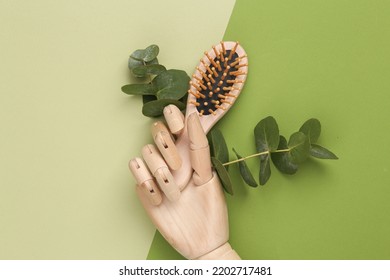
(329,60)
(67,131)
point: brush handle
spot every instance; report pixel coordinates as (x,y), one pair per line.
(183,175)
(194,151)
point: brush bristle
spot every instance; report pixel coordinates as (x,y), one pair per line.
(213,84)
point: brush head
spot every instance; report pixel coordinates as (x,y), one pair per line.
(217,82)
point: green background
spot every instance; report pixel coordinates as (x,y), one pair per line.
(67,131)
(329,60)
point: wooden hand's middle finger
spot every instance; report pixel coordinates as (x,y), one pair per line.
(166,146)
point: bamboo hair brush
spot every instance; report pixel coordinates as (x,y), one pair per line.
(214,87)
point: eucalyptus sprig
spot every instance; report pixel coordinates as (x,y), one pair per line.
(162,86)
(270,146)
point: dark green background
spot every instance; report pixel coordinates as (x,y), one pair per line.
(329,60)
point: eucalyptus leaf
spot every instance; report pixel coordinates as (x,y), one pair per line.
(312,129)
(147,54)
(155,108)
(321,152)
(223,175)
(133,63)
(139,89)
(245,172)
(138,55)
(299,146)
(282,160)
(153,69)
(218,147)
(154,61)
(171,84)
(266,135)
(151,53)
(265,169)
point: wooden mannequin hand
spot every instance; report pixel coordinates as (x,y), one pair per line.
(192,218)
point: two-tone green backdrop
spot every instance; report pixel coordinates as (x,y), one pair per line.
(67,132)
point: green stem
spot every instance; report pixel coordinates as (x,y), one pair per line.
(282,151)
(256,155)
